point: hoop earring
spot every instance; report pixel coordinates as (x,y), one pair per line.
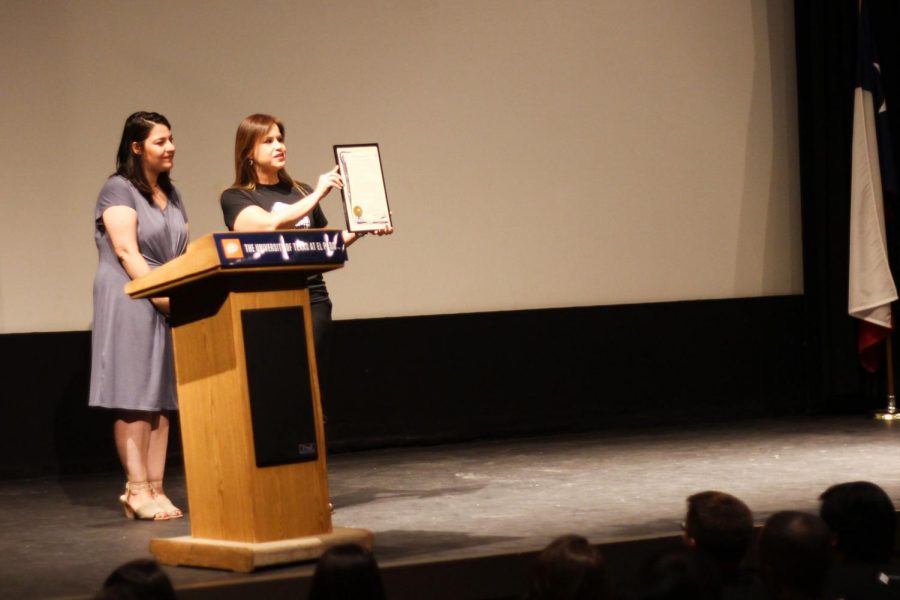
(250,161)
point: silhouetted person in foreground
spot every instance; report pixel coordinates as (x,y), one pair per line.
(116,592)
(679,573)
(347,572)
(863,524)
(569,568)
(720,526)
(141,579)
(795,555)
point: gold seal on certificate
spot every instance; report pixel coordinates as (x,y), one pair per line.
(365,198)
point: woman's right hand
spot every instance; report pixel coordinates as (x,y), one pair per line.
(327,181)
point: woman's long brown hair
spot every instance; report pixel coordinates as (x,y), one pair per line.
(249,133)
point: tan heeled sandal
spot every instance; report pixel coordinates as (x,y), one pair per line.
(149,510)
(173,511)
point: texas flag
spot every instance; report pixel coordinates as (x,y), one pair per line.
(872,288)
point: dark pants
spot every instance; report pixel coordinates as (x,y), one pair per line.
(321,324)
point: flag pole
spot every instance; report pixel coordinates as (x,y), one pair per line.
(890,411)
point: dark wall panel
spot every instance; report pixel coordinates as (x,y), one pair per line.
(472,375)
(455,377)
(45,424)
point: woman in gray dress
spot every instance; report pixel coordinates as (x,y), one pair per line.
(139,224)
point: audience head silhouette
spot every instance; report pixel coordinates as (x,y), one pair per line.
(569,568)
(347,572)
(719,525)
(141,579)
(863,521)
(679,573)
(795,555)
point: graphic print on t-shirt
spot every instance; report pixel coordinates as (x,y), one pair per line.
(303,223)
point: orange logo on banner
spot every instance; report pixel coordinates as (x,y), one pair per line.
(232,248)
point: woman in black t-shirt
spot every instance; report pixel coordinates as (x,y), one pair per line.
(264,197)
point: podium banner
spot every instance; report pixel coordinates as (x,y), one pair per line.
(278,248)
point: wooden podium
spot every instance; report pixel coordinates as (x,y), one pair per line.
(248,393)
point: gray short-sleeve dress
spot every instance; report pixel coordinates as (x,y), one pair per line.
(131,352)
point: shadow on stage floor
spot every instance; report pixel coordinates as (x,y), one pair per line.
(463,520)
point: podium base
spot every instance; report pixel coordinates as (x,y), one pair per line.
(244,557)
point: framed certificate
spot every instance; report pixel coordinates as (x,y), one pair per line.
(365,198)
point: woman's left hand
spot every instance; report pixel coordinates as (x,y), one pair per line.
(386,231)
(349,237)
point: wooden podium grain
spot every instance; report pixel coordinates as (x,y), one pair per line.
(242,516)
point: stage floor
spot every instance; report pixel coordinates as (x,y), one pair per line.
(62,536)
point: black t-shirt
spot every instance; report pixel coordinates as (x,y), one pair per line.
(271,198)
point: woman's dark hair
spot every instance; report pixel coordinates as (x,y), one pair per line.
(347,572)
(568,569)
(128,164)
(249,133)
(142,578)
(862,518)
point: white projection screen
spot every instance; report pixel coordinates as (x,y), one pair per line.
(537,153)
